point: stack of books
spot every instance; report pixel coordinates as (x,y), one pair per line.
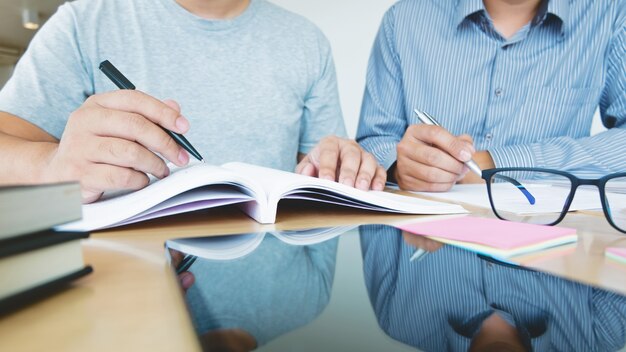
(35,260)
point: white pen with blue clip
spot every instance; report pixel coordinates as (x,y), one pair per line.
(429,120)
(426,119)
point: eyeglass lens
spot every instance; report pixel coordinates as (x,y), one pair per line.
(537,197)
(615,190)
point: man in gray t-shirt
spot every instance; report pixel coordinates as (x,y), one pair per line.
(248,80)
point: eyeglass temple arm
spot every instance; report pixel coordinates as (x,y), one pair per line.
(519,186)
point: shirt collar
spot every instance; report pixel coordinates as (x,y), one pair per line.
(558,8)
(464,8)
(561,10)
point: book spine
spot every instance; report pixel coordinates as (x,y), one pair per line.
(37,240)
(18,300)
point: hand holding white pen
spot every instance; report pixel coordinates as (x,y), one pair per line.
(431,159)
(425,118)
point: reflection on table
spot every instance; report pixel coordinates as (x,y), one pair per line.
(272,284)
(455,300)
(245,301)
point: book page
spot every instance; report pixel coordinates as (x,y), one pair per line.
(201,198)
(286,185)
(192,183)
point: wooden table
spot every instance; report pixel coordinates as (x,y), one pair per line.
(132,301)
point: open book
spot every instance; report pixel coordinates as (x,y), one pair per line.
(257,189)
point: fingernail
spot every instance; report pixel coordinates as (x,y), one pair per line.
(327,177)
(183,157)
(347,182)
(182,124)
(167,172)
(465,155)
(308,170)
(379,186)
(363,185)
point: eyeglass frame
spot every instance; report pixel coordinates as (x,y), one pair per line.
(600,183)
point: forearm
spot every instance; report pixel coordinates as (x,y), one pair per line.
(383,120)
(595,155)
(24,160)
(24,150)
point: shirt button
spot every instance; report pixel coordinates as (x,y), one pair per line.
(488,136)
(498,92)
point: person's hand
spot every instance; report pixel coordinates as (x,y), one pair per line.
(111,143)
(421,242)
(484,160)
(344,161)
(431,159)
(186,278)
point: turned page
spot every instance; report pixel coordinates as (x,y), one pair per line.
(197,186)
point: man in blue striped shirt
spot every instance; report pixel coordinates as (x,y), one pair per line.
(514,83)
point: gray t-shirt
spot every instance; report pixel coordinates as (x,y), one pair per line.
(258,88)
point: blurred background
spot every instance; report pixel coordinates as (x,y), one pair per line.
(350,25)
(19,20)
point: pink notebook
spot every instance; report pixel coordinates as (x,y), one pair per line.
(615,253)
(492,236)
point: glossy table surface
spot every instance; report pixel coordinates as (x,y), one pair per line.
(355,288)
(132,301)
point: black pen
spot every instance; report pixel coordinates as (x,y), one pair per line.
(123,83)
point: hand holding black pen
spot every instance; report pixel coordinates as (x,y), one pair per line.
(113,141)
(123,83)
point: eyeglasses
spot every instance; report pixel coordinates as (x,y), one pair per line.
(543,196)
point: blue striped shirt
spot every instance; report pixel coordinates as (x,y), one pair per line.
(440,302)
(529,100)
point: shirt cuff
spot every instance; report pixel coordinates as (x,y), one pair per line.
(517,156)
(390,159)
